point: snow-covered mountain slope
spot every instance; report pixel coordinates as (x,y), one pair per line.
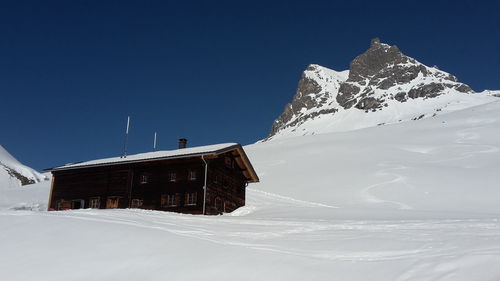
(413,201)
(15,174)
(382,86)
(443,164)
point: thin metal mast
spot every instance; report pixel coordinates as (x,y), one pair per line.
(154,143)
(125,145)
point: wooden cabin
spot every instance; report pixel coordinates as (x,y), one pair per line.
(199,180)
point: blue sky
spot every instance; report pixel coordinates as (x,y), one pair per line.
(210,71)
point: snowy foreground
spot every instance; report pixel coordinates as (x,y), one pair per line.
(413,201)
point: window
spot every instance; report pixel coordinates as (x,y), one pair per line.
(218,204)
(136,203)
(77,204)
(172,176)
(144,179)
(228,207)
(63,205)
(112,202)
(192,175)
(95,203)
(228,161)
(190,199)
(225,182)
(168,200)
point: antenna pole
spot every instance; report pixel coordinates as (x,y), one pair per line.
(154,143)
(125,145)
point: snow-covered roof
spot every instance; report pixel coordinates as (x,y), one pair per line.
(214,149)
(157,155)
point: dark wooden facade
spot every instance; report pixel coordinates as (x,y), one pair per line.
(172,184)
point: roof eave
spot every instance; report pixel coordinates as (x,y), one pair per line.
(215,152)
(253,175)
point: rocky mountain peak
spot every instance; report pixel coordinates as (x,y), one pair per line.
(375,60)
(375,41)
(383,67)
(382,79)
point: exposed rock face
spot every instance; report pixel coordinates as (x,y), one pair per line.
(369,103)
(315,94)
(12,172)
(15,174)
(375,63)
(383,67)
(375,80)
(426,91)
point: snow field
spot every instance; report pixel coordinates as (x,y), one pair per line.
(147,245)
(414,201)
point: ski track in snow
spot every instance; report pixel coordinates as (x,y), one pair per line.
(467,137)
(302,203)
(367,192)
(275,235)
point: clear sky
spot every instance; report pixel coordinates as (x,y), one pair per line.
(210,71)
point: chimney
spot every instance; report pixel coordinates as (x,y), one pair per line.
(182,143)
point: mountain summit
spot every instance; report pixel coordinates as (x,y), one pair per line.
(383,67)
(382,86)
